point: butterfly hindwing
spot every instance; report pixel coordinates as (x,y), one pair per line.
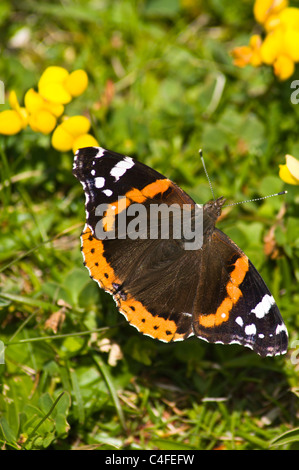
(240,308)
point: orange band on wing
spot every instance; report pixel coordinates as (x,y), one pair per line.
(96,263)
(159,186)
(241,268)
(148,324)
(134,195)
(233,294)
(136,314)
(114,209)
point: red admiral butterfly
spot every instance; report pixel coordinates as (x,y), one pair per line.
(164,290)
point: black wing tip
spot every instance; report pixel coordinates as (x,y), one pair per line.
(88,151)
(279,347)
(83,156)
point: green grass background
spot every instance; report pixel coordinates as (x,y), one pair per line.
(175,91)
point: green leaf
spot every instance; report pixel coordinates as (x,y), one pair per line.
(111,387)
(286,438)
(78,401)
(164,444)
(45,403)
(165,8)
(41,426)
(8,433)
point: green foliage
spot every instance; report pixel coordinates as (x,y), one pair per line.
(175,91)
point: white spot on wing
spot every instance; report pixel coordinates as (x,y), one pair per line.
(250,329)
(187,314)
(100,152)
(264,306)
(99,182)
(107,192)
(121,167)
(280,328)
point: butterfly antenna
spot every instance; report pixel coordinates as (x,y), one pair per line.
(257,199)
(204,167)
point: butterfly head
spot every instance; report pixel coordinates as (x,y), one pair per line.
(214,207)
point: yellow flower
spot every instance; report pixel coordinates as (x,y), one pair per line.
(241,55)
(255,43)
(281,45)
(284,67)
(280,49)
(10,122)
(264,9)
(14,104)
(59,86)
(272,23)
(43,121)
(86,140)
(291,43)
(13,120)
(245,55)
(56,87)
(272,46)
(42,113)
(289,172)
(34,102)
(73,134)
(289,18)
(76,83)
